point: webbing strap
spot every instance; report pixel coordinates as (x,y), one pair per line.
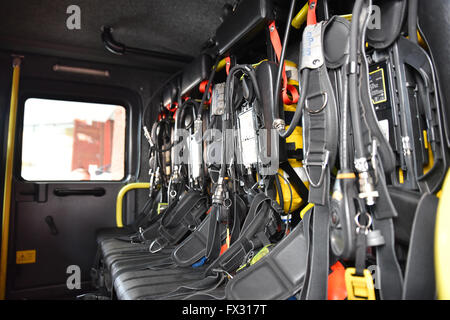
(289,92)
(311,17)
(214,240)
(391,278)
(420,282)
(317,288)
(295,180)
(318,107)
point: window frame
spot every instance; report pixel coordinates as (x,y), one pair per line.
(68,180)
(89,93)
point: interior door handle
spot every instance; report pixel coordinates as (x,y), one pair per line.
(51,224)
(63,192)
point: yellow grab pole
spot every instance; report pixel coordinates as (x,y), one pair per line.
(442,242)
(8,174)
(121,194)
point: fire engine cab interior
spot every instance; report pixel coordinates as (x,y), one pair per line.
(225,150)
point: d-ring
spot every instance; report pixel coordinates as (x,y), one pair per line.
(153,244)
(325,101)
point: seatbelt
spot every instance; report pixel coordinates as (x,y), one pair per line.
(252,237)
(185,217)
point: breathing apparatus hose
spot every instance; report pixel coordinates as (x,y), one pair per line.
(229,109)
(154,140)
(208,85)
(344,156)
(297,114)
(360,151)
(281,62)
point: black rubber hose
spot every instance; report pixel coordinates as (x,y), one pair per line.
(205,94)
(360,151)
(412,20)
(344,156)
(276,107)
(229,87)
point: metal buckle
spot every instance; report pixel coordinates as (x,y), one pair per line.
(150,248)
(322,164)
(359,287)
(325,101)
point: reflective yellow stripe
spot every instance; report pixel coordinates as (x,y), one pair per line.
(8,174)
(442,243)
(121,194)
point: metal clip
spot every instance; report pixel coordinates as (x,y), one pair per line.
(359,226)
(322,164)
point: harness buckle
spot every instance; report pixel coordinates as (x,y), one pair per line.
(359,287)
(308,163)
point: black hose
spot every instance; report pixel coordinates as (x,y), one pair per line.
(360,151)
(229,88)
(344,156)
(281,62)
(205,94)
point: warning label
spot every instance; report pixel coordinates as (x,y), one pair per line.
(25,256)
(377,86)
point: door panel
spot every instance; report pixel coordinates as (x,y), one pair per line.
(58,219)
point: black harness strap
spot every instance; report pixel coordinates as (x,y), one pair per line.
(420,282)
(391,279)
(320,149)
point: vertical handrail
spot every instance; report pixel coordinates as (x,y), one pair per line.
(8,174)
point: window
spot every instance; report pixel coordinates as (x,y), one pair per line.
(72,141)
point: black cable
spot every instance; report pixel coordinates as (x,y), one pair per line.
(205,94)
(290,203)
(360,151)
(281,62)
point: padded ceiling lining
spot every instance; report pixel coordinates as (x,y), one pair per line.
(174,26)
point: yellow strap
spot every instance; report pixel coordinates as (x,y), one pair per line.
(8,174)
(121,194)
(442,242)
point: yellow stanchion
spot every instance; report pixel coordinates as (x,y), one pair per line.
(121,194)
(8,173)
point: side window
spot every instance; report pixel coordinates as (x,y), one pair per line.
(73,141)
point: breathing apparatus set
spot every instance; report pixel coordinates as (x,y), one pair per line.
(283,179)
